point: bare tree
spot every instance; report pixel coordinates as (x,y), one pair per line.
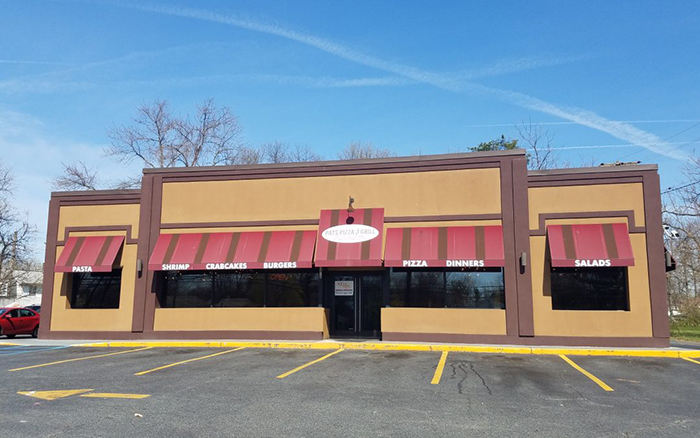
(539,141)
(303,154)
(275,152)
(76,176)
(362,151)
(16,234)
(280,152)
(210,139)
(157,138)
(151,138)
(247,155)
(682,222)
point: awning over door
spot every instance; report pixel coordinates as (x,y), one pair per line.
(89,254)
(233,251)
(464,247)
(590,245)
(350,238)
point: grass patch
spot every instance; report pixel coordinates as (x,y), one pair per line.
(685,332)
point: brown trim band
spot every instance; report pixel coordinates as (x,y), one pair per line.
(225,174)
(298,222)
(223,334)
(337,166)
(541,182)
(573,341)
(629,214)
(99,228)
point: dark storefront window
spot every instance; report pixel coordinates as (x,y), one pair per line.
(589,289)
(96,290)
(239,288)
(292,289)
(482,288)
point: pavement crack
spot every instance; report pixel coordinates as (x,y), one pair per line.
(483,382)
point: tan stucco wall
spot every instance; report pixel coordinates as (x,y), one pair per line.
(295,319)
(472,191)
(99,215)
(633,323)
(590,198)
(63,318)
(457,321)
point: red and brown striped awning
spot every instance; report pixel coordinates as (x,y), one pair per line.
(233,251)
(590,245)
(464,247)
(89,254)
(350,238)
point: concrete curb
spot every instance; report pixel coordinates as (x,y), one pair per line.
(381,346)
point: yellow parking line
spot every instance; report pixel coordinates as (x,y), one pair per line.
(440,367)
(114,395)
(691,360)
(141,373)
(79,358)
(282,376)
(587,374)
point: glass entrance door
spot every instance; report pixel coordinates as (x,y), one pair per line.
(356,300)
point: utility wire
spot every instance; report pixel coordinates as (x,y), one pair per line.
(681,145)
(673,189)
(664,140)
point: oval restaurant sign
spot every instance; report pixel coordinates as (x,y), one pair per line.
(350,233)
(350,238)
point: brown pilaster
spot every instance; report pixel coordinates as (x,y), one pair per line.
(510,270)
(526,325)
(49,263)
(655,255)
(142,253)
(153,230)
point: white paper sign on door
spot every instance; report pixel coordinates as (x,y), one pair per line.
(344,288)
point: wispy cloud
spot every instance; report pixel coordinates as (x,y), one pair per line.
(20,61)
(508,66)
(16,86)
(53,81)
(498,125)
(23,135)
(623,131)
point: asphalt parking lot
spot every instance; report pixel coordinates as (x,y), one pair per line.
(183,392)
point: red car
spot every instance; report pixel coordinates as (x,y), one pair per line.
(18,321)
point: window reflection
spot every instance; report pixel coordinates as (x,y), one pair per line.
(479,288)
(589,288)
(96,290)
(239,289)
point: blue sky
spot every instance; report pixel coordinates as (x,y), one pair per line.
(410,76)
